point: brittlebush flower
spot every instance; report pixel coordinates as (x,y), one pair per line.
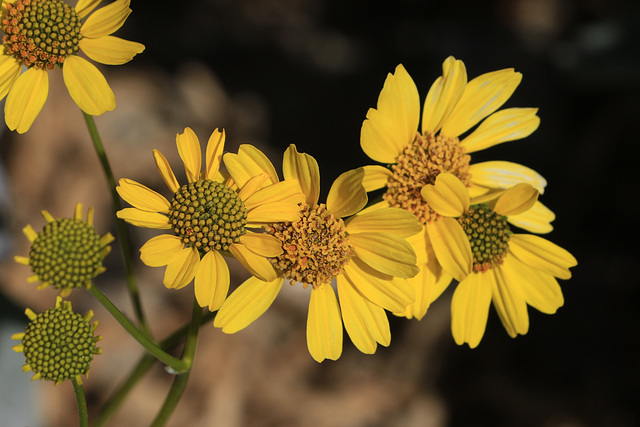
(58,344)
(365,254)
(210,216)
(44,34)
(67,253)
(511,270)
(415,158)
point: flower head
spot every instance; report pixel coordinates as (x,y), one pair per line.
(210,216)
(512,270)
(58,344)
(366,254)
(44,34)
(453,106)
(67,253)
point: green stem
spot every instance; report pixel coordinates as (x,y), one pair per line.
(180,382)
(144,364)
(83,415)
(176,365)
(121,229)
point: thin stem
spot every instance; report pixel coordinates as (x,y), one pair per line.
(180,382)
(121,229)
(142,367)
(83,415)
(176,365)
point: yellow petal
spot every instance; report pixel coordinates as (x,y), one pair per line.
(160,250)
(84,7)
(394,123)
(505,125)
(347,195)
(248,302)
(212,281)
(30,233)
(542,254)
(166,172)
(451,246)
(144,219)
(366,323)
(256,264)
(444,94)
(252,185)
(387,292)
(262,244)
(189,150)
(182,268)
(9,71)
(541,290)
(470,309)
(106,20)
(481,97)
(324,325)
(427,287)
(448,197)
(396,221)
(500,174)
(508,299)
(215,148)
(536,220)
(375,177)
(285,192)
(25,99)
(259,162)
(385,253)
(21,259)
(304,168)
(273,212)
(142,197)
(516,200)
(110,50)
(87,86)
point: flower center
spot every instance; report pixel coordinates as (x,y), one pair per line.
(316,247)
(488,234)
(40,33)
(208,215)
(66,254)
(59,344)
(420,164)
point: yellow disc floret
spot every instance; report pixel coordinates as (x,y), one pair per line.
(316,247)
(420,164)
(208,215)
(40,33)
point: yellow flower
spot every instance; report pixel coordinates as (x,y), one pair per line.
(209,218)
(366,254)
(452,107)
(512,270)
(43,34)
(58,344)
(67,253)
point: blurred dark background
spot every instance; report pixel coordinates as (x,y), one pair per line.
(306,71)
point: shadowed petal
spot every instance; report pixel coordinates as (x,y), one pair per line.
(262,244)
(10,70)
(516,200)
(256,264)
(444,94)
(212,281)
(448,197)
(536,220)
(347,195)
(541,290)
(375,177)
(182,268)
(451,247)
(106,20)
(385,253)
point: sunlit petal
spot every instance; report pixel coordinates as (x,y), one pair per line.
(211,283)
(542,254)
(25,99)
(262,244)
(166,172)
(505,125)
(470,309)
(500,174)
(509,299)
(182,268)
(304,168)
(444,94)
(375,177)
(347,195)
(386,253)
(256,264)
(536,220)
(142,197)
(324,325)
(110,50)
(541,290)
(145,219)
(87,86)
(451,247)
(516,200)
(396,221)
(189,150)
(9,71)
(106,20)
(448,197)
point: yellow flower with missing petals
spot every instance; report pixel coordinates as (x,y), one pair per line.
(58,344)
(511,270)
(67,253)
(366,255)
(209,217)
(43,34)
(452,107)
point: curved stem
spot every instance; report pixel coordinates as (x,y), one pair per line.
(180,382)
(83,415)
(142,367)
(121,230)
(176,365)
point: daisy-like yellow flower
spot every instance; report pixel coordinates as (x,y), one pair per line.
(510,269)
(366,254)
(452,107)
(43,34)
(209,217)
(58,344)
(67,253)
